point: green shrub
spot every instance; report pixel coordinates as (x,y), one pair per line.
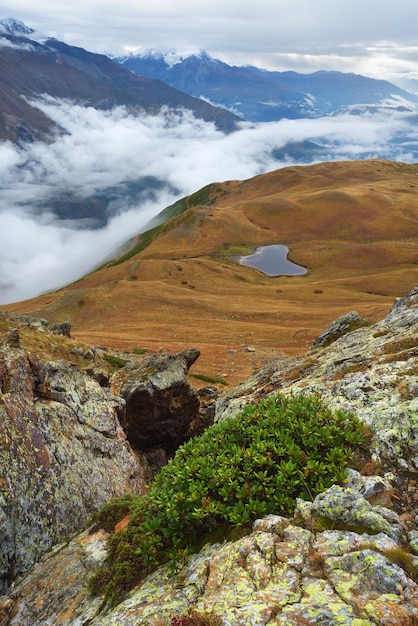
(139,351)
(115,361)
(215,380)
(238,470)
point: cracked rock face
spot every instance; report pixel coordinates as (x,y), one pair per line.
(63,455)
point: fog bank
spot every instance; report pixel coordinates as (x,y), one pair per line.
(103,149)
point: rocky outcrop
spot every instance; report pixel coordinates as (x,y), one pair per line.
(297,570)
(63,329)
(63,455)
(160,403)
(64,452)
(339,327)
(371,371)
(55,591)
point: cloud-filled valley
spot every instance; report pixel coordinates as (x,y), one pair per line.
(100,151)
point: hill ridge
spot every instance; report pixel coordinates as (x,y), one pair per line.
(354,225)
(31,68)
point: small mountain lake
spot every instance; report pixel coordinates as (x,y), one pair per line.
(272,261)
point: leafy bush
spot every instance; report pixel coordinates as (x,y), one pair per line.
(236,471)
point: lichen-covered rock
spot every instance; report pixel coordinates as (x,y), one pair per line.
(278,574)
(62,329)
(339,327)
(160,403)
(342,506)
(11,339)
(63,454)
(413,540)
(375,489)
(55,591)
(404,311)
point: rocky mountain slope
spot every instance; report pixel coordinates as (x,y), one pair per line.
(30,69)
(347,557)
(64,452)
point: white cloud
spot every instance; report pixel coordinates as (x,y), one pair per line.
(7,43)
(105,148)
(37,256)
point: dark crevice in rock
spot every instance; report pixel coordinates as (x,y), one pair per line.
(160,403)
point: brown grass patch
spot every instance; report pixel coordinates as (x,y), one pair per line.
(360,247)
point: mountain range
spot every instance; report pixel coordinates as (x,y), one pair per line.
(213,90)
(30,69)
(259,95)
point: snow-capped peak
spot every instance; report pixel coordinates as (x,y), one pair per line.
(170,56)
(15,27)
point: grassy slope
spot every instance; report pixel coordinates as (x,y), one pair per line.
(353,224)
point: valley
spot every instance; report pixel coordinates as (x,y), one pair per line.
(354,225)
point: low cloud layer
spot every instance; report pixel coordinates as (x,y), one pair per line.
(101,149)
(6,43)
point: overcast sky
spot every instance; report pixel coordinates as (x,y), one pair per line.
(372,37)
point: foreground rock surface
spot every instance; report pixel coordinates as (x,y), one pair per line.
(286,571)
(63,451)
(63,455)
(348,557)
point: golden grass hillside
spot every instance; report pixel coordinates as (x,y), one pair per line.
(354,225)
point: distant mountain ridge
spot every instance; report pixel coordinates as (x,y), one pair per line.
(30,68)
(260,95)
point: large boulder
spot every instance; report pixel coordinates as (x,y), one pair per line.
(339,327)
(63,455)
(160,403)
